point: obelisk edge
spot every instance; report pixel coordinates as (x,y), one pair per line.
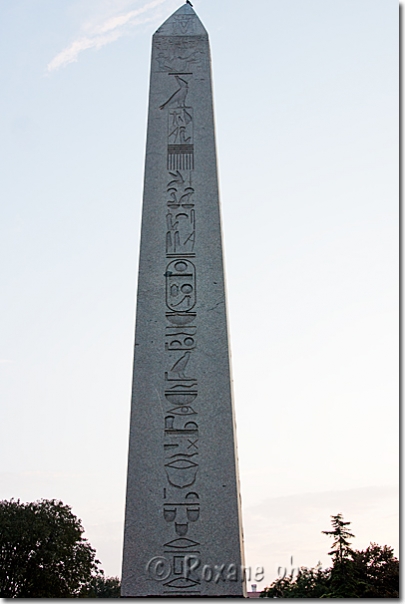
(178,24)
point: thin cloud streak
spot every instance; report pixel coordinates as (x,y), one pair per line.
(111,30)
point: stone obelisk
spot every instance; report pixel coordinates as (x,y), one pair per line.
(183,532)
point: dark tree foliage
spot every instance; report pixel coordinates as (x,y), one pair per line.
(42,551)
(310,583)
(377,570)
(342,576)
(105,587)
(341,546)
(371,573)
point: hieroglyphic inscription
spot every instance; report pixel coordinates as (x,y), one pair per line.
(183,513)
(180,138)
(180,285)
(180,338)
(181,126)
(178,54)
(181,501)
(180,217)
(183,24)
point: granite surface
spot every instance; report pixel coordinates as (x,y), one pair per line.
(183,532)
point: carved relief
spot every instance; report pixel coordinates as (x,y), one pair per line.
(181,432)
(188,428)
(180,285)
(180,338)
(180,198)
(180,236)
(180,366)
(177,55)
(181,472)
(177,179)
(192,444)
(183,410)
(180,217)
(183,24)
(180,157)
(180,191)
(178,565)
(182,544)
(182,582)
(178,98)
(179,383)
(180,318)
(180,130)
(180,150)
(182,513)
(181,399)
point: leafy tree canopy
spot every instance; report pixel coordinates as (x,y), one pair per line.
(42,551)
(105,587)
(371,573)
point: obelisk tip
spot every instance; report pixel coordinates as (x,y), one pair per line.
(183,22)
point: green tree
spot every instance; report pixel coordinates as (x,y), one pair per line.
(377,572)
(341,546)
(42,551)
(343,582)
(372,573)
(310,583)
(105,587)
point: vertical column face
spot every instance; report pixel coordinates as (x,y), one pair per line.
(182,531)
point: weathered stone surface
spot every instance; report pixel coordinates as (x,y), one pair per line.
(182,532)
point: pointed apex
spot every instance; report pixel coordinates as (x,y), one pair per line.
(186,9)
(183,22)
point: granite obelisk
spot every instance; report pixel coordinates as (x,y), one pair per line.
(183,532)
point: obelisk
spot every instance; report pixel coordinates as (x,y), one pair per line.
(183,532)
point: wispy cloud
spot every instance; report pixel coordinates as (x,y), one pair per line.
(100,34)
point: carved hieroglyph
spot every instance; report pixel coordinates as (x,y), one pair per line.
(182,532)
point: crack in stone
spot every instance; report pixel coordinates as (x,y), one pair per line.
(214,307)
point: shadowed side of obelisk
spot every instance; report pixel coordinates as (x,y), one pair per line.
(182,529)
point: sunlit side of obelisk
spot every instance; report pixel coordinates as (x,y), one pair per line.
(183,533)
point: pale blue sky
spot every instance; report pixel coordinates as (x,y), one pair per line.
(306,114)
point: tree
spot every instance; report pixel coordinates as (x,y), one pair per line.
(105,587)
(372,573)
(342,574)
(310,583)
(42,551)
(377,570)
(340,548)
